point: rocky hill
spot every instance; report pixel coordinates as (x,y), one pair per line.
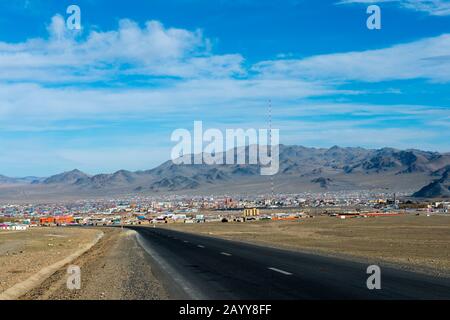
(301,169)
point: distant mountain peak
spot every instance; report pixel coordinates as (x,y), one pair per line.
(67,177)
(335,147)
(300,169)
(439,188)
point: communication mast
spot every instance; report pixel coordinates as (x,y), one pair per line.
(270,150)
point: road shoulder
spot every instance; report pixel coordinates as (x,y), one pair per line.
(117,268)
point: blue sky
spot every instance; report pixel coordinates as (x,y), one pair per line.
(109,96)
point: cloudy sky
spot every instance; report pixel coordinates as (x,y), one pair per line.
(108,97)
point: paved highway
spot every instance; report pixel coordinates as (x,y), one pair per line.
(200,267)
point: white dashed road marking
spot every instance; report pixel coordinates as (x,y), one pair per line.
(200,246)
(281,271)
(226,254)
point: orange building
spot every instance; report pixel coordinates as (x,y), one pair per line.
(58,220)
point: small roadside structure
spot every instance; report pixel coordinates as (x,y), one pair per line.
(19,227)
(13,227)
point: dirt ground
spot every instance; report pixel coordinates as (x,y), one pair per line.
(23,253)
(419,243)
(115,268)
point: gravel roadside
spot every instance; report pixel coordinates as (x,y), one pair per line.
(117,268)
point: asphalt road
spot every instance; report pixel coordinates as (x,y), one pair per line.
(200,267)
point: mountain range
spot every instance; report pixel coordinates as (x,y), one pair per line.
(302,169)
(439,188)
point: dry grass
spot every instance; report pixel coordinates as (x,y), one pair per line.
(23,253)
(420,242)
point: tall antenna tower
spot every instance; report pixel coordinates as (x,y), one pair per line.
(270,143)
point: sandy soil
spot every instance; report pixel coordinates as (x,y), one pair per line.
(414,242)
(116,268)
(23,253)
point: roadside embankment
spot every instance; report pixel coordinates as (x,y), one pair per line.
(29,257)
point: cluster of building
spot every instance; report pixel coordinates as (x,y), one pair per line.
(179,209)
(439,207)
(22,225)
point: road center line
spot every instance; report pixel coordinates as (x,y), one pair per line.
(200,246)
(186,241)
(281,271)
(226,254)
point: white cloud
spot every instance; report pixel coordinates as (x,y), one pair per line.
(152,51)
(34,104)
(40,94)
(427,59)
(432,7)
(67,58)
(209,91)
